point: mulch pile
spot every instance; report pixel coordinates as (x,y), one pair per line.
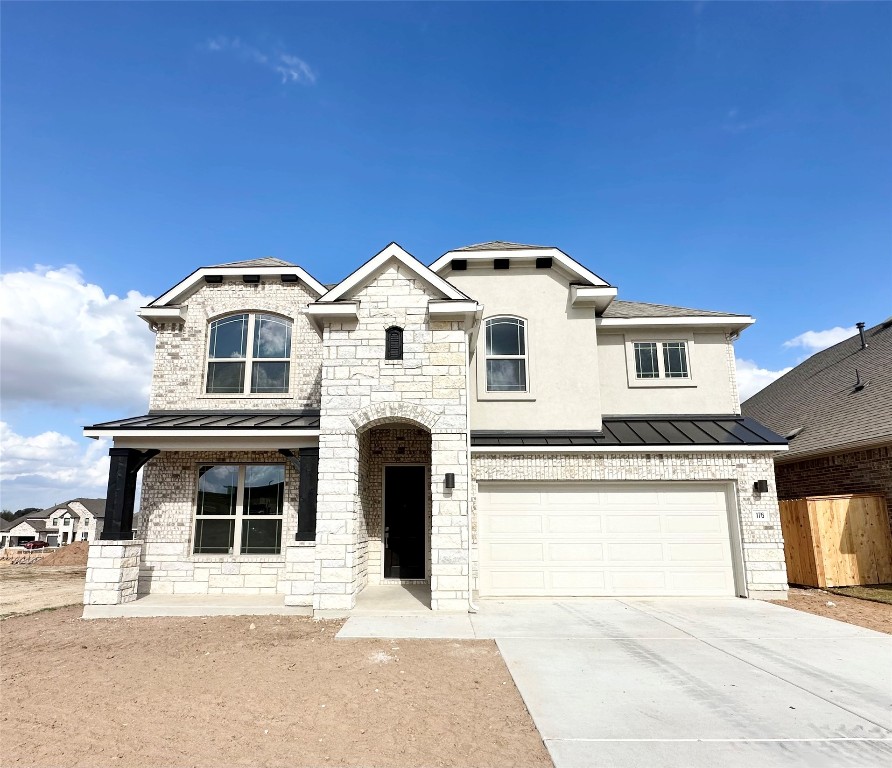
(70,554)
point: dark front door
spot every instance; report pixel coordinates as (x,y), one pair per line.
(405,493)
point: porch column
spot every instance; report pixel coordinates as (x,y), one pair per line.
(124,465)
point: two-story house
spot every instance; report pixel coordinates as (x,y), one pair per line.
(64,523)
(497,423)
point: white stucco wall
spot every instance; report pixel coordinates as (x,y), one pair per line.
(711,390)
(562,351)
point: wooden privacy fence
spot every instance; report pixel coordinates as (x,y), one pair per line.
(837,541)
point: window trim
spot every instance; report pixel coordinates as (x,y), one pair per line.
(660,340)
(239,515)
(249,358)
(483,391)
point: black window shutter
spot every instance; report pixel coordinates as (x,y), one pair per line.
(394,347)
(306,500)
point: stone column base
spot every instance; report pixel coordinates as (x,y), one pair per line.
(112,572)
(300,560)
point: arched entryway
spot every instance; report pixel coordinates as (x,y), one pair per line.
(394,503)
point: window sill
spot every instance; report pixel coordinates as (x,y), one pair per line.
(242,396)
(520,397)
(238,558)
(660,383)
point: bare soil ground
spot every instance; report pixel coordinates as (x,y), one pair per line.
(864,613)
(71,554)
(252,691)
(29,588)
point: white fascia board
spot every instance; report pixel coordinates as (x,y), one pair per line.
(738,322)
(392,251)
(153,315)
(628,448)
(599,297)
(523,254)
(183,287)
(219,435)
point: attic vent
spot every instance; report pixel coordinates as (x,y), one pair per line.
(859,384)
(459,265)
(213,278)
(543,262)
(289,278)
(393,347)
(250,278)
(500,263)
(793,432)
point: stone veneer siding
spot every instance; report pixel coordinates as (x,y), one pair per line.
(865,471)
(112,572)
(360,390)
(763,546)
(167,512)
(178,377)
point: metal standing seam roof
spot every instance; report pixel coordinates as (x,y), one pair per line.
(215,420)
(644,431)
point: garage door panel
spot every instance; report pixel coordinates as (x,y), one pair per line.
(575,551)
(637,538)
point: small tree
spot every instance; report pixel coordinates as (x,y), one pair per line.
(7,514)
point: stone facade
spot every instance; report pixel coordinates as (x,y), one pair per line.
(762,541)
(361,390)
(864,471)
(167,515)
(112,572)
(178,376)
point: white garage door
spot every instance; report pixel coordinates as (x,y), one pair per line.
(629,538)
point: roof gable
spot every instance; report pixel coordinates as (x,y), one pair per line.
(378,262)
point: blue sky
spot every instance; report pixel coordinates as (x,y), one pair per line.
(728,156)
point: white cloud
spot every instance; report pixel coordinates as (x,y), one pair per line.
(751,378)
(43,469)
(815,341)
(289,67)
(64,342)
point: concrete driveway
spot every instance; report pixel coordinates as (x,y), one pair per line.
(683,682)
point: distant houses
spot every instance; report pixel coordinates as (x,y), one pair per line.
(75,520)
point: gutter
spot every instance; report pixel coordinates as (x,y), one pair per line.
(472,606)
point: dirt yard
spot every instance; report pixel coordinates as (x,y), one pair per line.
(864,613)
(252,691)
(30,588)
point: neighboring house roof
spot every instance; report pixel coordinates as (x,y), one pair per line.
(820,402)
(646,431)
(627,309)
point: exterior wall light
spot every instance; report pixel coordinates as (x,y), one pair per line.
(450,480)
(760,486)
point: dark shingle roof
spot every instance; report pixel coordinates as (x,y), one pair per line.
(263,262)
(819,397)
(645,431)
(499,245)
(627,309)
(216,420)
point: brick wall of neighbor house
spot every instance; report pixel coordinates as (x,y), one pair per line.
(167,565)
(763,547)
(378,447)
(178,376)
(865,471)
(360,389)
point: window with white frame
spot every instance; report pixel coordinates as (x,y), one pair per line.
(55,522)
(661,360)
(249,354)
(239,509)
(84,536)
(506,355)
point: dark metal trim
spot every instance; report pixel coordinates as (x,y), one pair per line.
(459,265)
(250,278)
(501,263)
(213,278)
(543,262)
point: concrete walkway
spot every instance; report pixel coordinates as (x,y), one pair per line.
(674,682)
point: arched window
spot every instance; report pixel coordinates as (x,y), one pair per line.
(236,366)
(393,347)
(506,355)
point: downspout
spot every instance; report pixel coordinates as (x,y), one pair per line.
(472,607)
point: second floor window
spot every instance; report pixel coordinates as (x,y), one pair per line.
(506,355)
(661,360)
(249,354)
